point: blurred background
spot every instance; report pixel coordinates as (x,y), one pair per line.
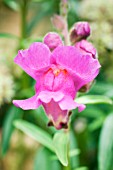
(23,22)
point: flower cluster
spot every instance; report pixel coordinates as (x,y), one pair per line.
(59,71)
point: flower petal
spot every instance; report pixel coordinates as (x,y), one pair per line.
(57,116)
(83,68)
(64,82)
(86,47)
(27,104)
(46,96)
(36,58)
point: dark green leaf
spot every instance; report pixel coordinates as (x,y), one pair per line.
(97,123)
(8,127)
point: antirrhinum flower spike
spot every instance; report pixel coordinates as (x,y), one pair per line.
(80,30)
(59,75)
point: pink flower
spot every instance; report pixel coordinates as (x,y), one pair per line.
(52,40)
(81,30)
(59,75)
(86,48)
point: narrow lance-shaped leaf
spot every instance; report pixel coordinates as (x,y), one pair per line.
(35,132)
(74,161)
(8,127)
(60,143)
(94,99)
(105,157)
(7,35)
(81,168)
(43,160)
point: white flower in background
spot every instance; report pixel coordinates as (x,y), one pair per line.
(6,84)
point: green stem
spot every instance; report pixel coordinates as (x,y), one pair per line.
(64,14)
(23,35)
(24,10)
(24,6)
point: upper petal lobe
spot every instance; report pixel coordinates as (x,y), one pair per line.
(34,59)
(82,68)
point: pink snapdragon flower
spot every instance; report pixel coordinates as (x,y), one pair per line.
(59,75)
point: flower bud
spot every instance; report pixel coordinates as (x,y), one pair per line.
(52,40)
(58,22)
(81,30)
(86,48)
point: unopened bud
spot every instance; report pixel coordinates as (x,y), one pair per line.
(86,48)
(52,40)
(81,30)
(58,22)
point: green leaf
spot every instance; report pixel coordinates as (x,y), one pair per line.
(82,168)
(93,111)
(8,127)
(43,160)
(38,0)
(97,123)
(46,10)
(60,143)
(72,153)
(74,161)
(94,99)
(105,156)
(12,4)
(35,132)
(7,35)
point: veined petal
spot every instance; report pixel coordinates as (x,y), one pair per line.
(46,96)
(83,68)
(34,59)
(57,116)
(27,104)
